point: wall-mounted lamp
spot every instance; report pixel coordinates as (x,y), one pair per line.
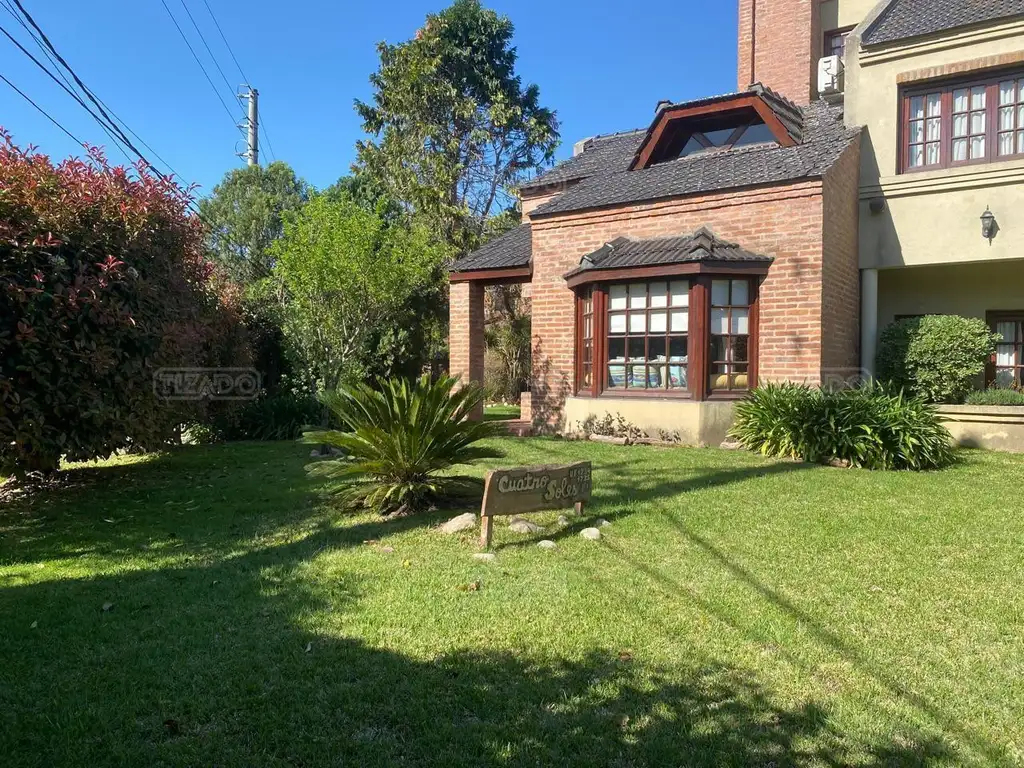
(989,225)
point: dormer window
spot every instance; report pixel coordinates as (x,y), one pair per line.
(756,116)
(727,136)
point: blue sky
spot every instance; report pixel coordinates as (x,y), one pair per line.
(602,66)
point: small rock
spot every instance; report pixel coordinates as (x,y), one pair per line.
(461,523)
(108,607)
(518,525)
(563,520)
(314,454)
(591,533)
(387,550)
(602,523)
(337,452)
(485,557)
(35,624)
(731,445)
(547,544)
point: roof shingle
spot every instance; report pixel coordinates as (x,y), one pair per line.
(702,245)
(512,249)
(904,19)
(824,139)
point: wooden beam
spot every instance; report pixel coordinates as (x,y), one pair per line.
(669,270)
(508,275)
(648,153)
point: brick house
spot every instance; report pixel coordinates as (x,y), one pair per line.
(739,238)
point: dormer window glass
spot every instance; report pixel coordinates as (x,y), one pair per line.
(719,136)
(755,116)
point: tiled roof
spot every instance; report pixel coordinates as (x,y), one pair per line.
(602,153)
(702,245)
(824,137)
(912,18)
(512,249)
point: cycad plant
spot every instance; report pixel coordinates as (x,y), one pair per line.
(400,440)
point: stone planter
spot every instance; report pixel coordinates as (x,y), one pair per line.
(994,427)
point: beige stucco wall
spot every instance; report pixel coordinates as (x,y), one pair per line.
(994,428)
(961,289)
(929,217)
(836,14)
(698,423)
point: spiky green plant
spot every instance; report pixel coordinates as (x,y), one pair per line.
(400,440)
(872,427)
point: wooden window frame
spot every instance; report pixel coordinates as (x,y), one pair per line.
(730,365)
(698,333)
(672,121)
(831,34)
(993,319)
(945,89)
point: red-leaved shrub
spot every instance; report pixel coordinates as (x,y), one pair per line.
(104,281)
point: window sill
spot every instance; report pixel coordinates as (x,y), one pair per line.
(924,181)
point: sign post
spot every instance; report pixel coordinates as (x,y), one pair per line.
(531,489)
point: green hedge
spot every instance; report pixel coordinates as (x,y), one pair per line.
(996,396)
(873,427)
(937,357)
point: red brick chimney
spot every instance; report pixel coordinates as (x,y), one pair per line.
(780,42)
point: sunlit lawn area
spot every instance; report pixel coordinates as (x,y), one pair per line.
(499,412)
(737,612)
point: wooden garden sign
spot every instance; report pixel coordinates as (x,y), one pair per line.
(531,489)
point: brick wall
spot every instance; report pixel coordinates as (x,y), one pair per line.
(784,38)
(783,222)
(840,319)
(466,333)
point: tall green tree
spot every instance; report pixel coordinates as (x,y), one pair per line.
(353,282)
(453,127)
(245,215)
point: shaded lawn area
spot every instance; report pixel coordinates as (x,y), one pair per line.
(738,611)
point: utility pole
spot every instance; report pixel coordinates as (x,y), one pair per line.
(252,154)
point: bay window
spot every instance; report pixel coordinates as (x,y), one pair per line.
(963,122)
(668,335)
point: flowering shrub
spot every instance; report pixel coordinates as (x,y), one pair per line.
(104,282)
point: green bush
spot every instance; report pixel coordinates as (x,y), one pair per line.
(873,427)
(996,396)
(401,442)
(937,357)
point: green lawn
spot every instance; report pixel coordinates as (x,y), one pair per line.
(502,412)
(737,612)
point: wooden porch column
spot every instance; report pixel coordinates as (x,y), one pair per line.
(466,334)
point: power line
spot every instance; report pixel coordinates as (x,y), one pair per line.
(245,79)
(226,43)
(231,88)
(42,111)
(71,93)
(39,43)
(200,63)
(78,80)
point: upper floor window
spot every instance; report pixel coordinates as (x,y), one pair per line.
(835,42)
(962,123)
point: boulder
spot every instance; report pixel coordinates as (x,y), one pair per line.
(547,544)
(591,533)
(463,522)
(519,525)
